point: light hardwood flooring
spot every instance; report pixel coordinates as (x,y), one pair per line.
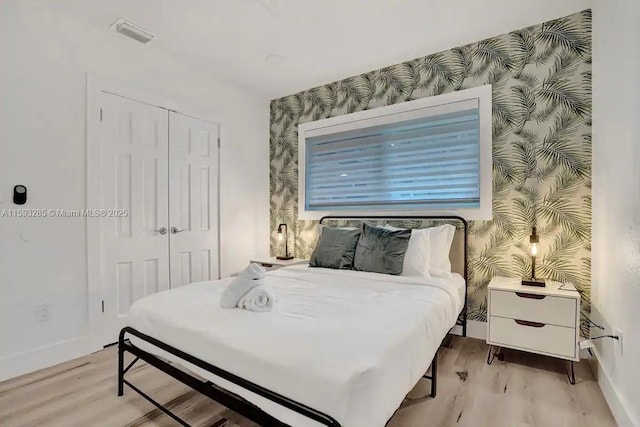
(522,390)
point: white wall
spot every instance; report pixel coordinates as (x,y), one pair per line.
(615,291)
(45,55)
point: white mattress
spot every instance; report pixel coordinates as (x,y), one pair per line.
(349,344)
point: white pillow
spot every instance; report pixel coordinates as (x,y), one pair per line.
(429,252)
(441,238)
(416,259)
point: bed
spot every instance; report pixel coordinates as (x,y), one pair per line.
(343,348)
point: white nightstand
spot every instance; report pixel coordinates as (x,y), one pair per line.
(272,263)
(538,320)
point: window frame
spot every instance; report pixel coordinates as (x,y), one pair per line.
(382,115)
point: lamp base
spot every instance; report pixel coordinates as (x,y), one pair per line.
(534,282)
(285,258)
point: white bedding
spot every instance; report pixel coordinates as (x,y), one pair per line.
(349,344)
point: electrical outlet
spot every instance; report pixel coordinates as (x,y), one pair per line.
(619,340)
(42,313)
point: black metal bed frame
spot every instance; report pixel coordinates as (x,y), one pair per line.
(233,401)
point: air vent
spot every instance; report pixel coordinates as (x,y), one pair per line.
(130,30)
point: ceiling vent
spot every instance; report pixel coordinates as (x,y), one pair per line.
(130,30)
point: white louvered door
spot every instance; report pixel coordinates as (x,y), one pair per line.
(134,177)
(193,195)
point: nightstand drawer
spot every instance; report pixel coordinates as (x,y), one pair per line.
(538,308)
(531,336)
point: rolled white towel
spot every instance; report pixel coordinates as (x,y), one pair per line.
(253,271)
(259,298)
(251,277)
(236,290)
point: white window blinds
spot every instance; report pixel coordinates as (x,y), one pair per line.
(421,159)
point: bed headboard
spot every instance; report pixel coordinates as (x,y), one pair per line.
(457,254)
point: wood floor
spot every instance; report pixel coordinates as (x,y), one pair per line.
(523,390)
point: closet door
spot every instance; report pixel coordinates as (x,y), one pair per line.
(133,179)
(193,200)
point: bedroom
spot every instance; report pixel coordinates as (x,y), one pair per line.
(536,104)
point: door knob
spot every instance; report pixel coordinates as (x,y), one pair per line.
(161,230)
(175,230)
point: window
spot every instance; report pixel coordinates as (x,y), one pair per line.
(431,155)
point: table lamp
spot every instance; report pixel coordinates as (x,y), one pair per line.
(282,234)
(533,249)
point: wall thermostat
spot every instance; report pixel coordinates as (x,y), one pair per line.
(19,194)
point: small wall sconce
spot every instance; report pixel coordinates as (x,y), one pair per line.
(282,235)
(533,249)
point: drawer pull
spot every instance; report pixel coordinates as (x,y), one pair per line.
(529,323)
(265,265)
(530,296)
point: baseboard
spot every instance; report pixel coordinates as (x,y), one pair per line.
(17,364)
(617,405)
(475,329)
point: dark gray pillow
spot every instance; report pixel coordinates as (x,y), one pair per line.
(380,250)
(336,248)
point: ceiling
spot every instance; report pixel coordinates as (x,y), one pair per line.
(319,41)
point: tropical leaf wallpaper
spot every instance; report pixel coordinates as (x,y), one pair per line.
(541,78)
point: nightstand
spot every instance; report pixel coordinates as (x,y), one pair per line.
(538,320)
(272,263)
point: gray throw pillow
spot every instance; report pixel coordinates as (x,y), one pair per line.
(336,248)
(380,250)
